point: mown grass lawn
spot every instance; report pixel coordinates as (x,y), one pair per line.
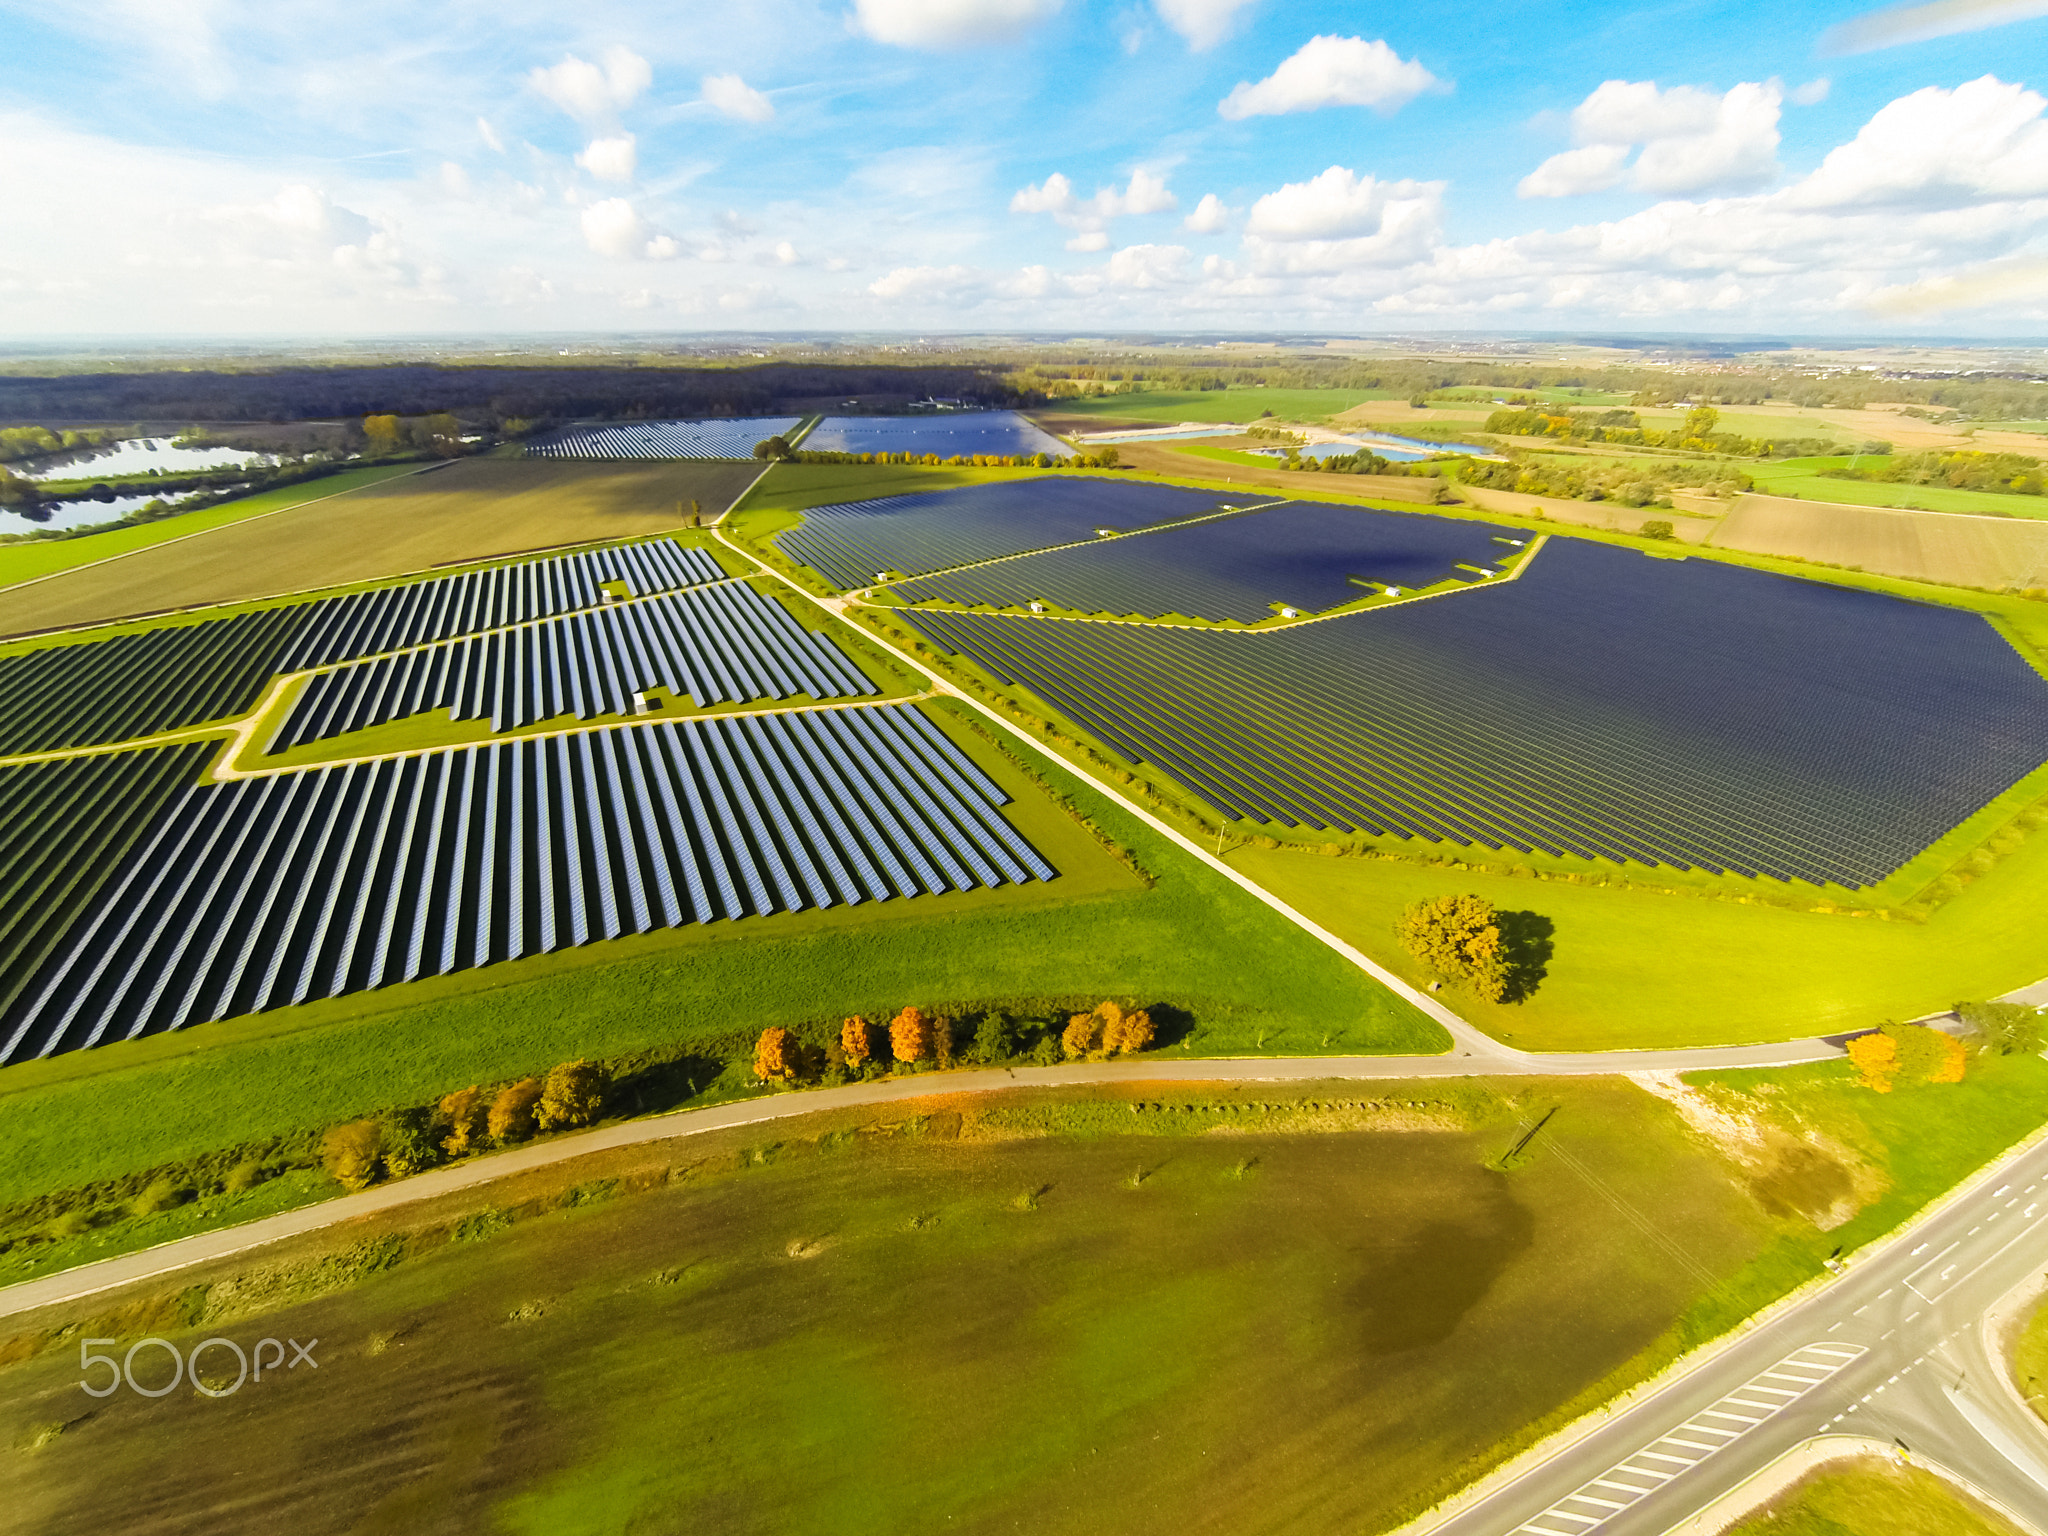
(1638,969)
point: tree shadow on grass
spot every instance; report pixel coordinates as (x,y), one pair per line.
(1170,1025)
(1527,939)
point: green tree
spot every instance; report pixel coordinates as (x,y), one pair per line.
(1659,528)
(409,1143)
(776,447)
(2008,1029)
(995,1040)
(1700,422)
(1926,1055)
(573,1095)
(1458,939)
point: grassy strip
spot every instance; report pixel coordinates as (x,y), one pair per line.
(29,560)
(2030,1361)
(1244,979)
(1869,1495)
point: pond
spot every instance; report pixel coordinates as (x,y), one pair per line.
(67,515)
(135,456)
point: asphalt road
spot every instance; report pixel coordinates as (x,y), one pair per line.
(1892,1350)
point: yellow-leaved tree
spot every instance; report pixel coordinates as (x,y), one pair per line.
(353,1152)
(511,1117)
(1082,1035)
(857,1040)
(573,1095)
(1877,1058)
(1458,939)
(463,1112)
(910,1035)
(775,1057)
(1127,1033)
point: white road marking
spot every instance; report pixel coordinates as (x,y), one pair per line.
(1805,1369)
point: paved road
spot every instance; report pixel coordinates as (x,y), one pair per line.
(1891,1350)
(166,1258)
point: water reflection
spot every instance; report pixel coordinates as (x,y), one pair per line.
(67,515)
(136,456)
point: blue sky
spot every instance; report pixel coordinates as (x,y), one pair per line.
(189,167)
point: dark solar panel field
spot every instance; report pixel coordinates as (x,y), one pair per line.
(932,530)
(946,434)
(1303,554)
(1605,705)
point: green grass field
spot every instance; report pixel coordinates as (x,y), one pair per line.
(1633,968)
(1048,1313)
(1236,405)
(31,559)
(1797,477)
(1873,1496)
(2030,1361)
(1248,980)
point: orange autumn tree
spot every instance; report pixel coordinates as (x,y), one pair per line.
(1926,1055)
(1126,1034)
(1082,1034)
(1877,1058)
(910,1035)
(856,1039)
(775,1056)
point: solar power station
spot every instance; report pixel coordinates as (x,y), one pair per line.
(947,434)
(165,679)
(1306,555)
(851,543)
(143,900)
(733,438)
(265,892)
(1605,705)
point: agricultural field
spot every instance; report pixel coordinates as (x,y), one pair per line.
(1086,1263)
(1600,706)
(27,560)
(1991,554)
(724,439)
(945,433)
(464,511)
(852,544)
(1303,555)
(1802,478)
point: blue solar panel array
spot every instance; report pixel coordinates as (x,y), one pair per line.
(389,618)
(733,439)
(1304,554)
(1686,713)
(945,433)
(932,530)
(264,892)
(721,645)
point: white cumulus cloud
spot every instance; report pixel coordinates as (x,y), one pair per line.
(1203,23)
(1690,140)
(1984,140)
(1146,193)
(730,96)
(1331,72)
(1209,216)
(1148,266)
(609,159)
(948,23)
(614,228)
(590,93)
(953,284)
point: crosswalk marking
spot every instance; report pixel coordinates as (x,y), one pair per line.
(1804,1369)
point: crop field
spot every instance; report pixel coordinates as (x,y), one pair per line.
(1602,705)
(270,891)
(1800,477)
(64,826)
(948,434)
(722,645)
(1306,555)
(1997,554)
(1285,1310)
(465,511)
(734,439)
(852,543)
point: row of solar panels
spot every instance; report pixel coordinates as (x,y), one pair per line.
(98,691)
(667,439)
(720,644)
(365,623)
(264,892)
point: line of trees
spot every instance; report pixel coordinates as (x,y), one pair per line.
(1698,433)
(919,1041)
(1959,469)
(466,1121)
